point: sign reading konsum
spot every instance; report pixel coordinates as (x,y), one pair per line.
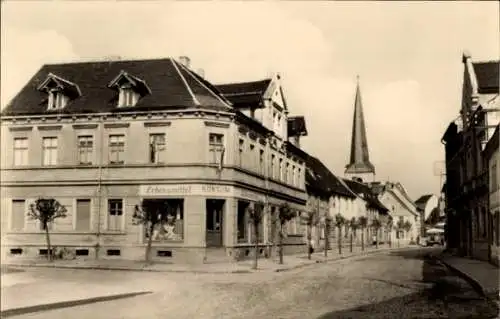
(186,190)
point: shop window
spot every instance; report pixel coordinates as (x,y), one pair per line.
(242,221)
(172,226)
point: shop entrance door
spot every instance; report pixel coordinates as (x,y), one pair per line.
(215,221)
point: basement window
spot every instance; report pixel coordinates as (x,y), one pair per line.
(164,253)
(16,251)
(82,252)
(43,252)
(113,252)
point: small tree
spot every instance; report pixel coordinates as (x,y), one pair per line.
(340,221)
(328,225)
(151,213)
(362,222)
(310,219)
(407,226)
(46,211)
(285,214)
(376,225)
(389,226)
(399,227)
(256,214)
(353,224)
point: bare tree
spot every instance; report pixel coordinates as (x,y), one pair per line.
(339,223)
(376,225)
(310,219)
(151,213)
(389,226)
(46,211)
(362,222)
(353,224)
(399,227)
(407,227)
(328,225)
(285,214)
(256,214)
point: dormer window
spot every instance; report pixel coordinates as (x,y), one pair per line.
(59,91)
(130,89)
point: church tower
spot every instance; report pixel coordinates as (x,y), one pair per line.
(359,166)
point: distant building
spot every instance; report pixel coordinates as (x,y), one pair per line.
(100,137)
(492,161)
(426,204)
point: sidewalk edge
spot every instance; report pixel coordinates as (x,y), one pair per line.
(474,283)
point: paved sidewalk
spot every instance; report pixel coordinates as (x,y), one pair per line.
(290,262)
(482,275)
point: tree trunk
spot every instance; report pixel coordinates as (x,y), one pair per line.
(350,244)
(327,240)
(47,238)
(362,239)
(147,257)
(280,244)
(340,240)
(256,257)
(309,246)
(376,238)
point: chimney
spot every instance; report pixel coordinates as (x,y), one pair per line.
(201,73)
(184,60)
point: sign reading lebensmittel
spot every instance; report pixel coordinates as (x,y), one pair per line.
(186,190)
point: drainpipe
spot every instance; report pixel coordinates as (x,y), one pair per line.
(99,188)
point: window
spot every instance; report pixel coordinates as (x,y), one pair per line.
(127,97)
(240,152)
(115,214)
(242,221)
(251,156)
(85,149)
(287,171)
(272,168)
(157,148)
(18,214)
(82,221)
(49,151)
(171,229)
(294,179)
(20,151)
(116,149)
(299,177)
(57,100)
(261,162)
(216,148)
(281,169)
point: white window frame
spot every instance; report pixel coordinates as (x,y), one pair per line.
(20,150)
(122,222)
(216,148)
(160,148)
(89,151)
(50,148)
(57,100)
(120,139)
(127,97)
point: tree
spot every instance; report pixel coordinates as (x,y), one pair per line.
(256,214)
(376,225)
(285,214)
(407,226)
(151,213)
(399,227)
(389,226)
(46,211)
(353,224)
(328,225)
(310,219)
(362,222)
(339,222)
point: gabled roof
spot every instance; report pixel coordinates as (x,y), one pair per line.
(422,201)
(321,181)
(172,85)
(487,74)
(363,190)
(245,94)
(296,126)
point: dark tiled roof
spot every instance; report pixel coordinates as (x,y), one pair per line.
(423,199)
(364,190)
(487,74)
(162,76)
(320,180)
(296,126)
(245,94)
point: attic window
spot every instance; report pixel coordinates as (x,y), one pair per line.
(59,91)
(130,89)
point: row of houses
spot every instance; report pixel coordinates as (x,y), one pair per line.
(102,137)
(472,189)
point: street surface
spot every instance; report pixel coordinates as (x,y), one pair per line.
(401,284)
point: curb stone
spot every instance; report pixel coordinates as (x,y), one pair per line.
(67,304)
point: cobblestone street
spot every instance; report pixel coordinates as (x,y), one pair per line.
(390,285)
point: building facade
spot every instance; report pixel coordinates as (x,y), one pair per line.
(492,160)
(101,137)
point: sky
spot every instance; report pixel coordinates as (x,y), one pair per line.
(408,56)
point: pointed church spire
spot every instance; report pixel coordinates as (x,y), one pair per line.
(359,162)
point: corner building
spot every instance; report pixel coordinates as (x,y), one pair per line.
(100,137)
